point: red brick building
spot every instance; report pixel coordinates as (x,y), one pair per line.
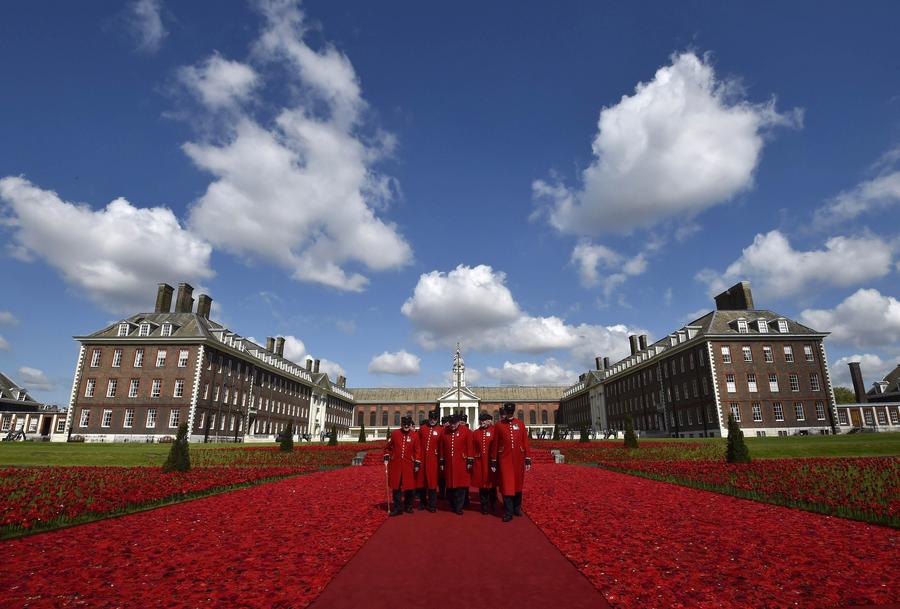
(139,378)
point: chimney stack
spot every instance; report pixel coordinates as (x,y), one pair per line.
(642,340)
(279,346)
(606,363)
(598,361)
(859,387)
(316,367)
(164,298)
(270,344)
(633,339)
(184,301)
(736,298)
(342,381)
(308,364)
(204,305)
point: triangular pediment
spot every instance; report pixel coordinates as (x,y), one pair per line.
(464,395)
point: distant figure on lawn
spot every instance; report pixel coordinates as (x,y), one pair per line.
(510,458)
(403,457)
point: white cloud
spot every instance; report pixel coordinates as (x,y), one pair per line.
(146,24)
(302,192)
(550,372)
(864,319)
(109,255)
(332,369)
(399,363)
(873,369)
(878,193)
(684,142)
(295,350)
(8,318)
(34,379)
(4,344)
(218,82)
(776,269)
(591,257)
(474,306)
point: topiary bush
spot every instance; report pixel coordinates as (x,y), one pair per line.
(630,437)
(737,451)
(332,440)
(179,459)
(362,433)
(287,438)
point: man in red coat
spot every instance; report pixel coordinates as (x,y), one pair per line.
(403,457)
(427,479)
(482,476)
(456,459)
(510,458)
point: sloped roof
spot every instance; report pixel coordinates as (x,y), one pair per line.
(10,392)
(184,325)
(499,393)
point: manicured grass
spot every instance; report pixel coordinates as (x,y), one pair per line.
(77,453)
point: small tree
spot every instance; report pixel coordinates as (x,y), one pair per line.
(843,395)
(737,451)
(530,434)
(555,431)
(584,434)
(332,441)
(630,438)
(362,433)
(287,438)
(179,459)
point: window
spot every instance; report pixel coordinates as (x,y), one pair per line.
(222,423)
(842,417)
(60,425)
(32,425)
(757,412)
(778,410)
(111,388)
(166,329)
(867,417)
(532,417)
(729,383)
(156,388)
(782,326)
(216,398)
(691,360)
(179,388)
(174,415)
(151,418)
(161,358)
(129,417)
(543,417)
(397,418)
(798,411)
(133,388)
(138,357)
(702,358)
(183,358)
(895,420)
(117,358)
(372,419)
(808,353)
(95,358)
(694,386)
(748,355)
(767,354)
(705,386)
(85,417)
(795,382)
(788,354)
(225,396)
(123,329)
(773,382)
(689,421)
(89,388)
(814,381)
(677,395)
(882,417)
(742,326)
(751,381)
(762,325)
(233,421)
(384,418)
(144,330)
(820,411)
(212,421)
(206,391)
(726,355)
(107,418)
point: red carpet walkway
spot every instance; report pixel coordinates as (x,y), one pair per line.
(492,564)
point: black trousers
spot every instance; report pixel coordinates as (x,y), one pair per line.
(456,497)
(427,496)
(442,488)
(407,498)
(513,504)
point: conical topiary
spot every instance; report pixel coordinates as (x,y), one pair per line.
(362,433)
(332,441)
(584,434)
(737,451)
(630,437)
(179,459)
(287,438)
(555,431)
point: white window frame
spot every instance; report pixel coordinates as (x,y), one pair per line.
(808,353)
(756,409)
(111,386)
(139,357)
(144,329)
(730,385)
(179,388)
(151,418)
(799,412)
(95,358)
(60,424)
(773,382)
(133,386)
(128,421)
(123,329)
(768,356)
(106,421)
(166,329)
(820,410)
(117,358)
(174,416)
(778,410)
(156,388)
(85,418)
(751,382)
(89,388)
(161,358)
(794,381)
(743,328)
(842,417)
(748,353)
(783,326)
(762,325)
(814,383)
(881,416)
(183,357)
(894,416)
(726,354)
(789,354)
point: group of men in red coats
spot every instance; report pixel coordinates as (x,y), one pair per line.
(493,457)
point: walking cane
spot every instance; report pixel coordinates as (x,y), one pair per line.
(387,487)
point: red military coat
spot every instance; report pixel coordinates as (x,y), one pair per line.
(456,448)
(510,449)
(483,440)
(404,451)
(430,441)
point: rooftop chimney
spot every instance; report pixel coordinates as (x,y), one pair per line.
(279,346)
(308,365)
(270,344)
(633,339)
(859,388)
(598,361)
(642,339)
(736,298)
(606,363)
(316,366)
(164,298)
(204,304)
(184,301)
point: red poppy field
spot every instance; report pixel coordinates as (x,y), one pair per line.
(647,544)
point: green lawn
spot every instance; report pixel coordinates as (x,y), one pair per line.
(77,453)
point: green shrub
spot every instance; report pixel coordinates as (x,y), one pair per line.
(630,437)
(584,434)
(332,441)
(362,433)
(287,438)
(737,451)
(179,459)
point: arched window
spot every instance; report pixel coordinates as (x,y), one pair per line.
(397,418)
(521,415)
(422,415)
(409,413)
(372,420)
(532,417)
(360,417)
(496,415)
(543,417)
(384,418)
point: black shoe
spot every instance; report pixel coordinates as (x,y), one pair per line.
(421,507)
(396,512)
(432,510)
(484,509)
(459,512)
(507,517)
(409,509)
(518,512)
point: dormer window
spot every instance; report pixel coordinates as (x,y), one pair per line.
(762,325)
(742,326)
(166,329)
(144,330)
(123,329)
(782,326)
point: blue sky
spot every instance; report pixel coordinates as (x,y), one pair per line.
(379,180)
